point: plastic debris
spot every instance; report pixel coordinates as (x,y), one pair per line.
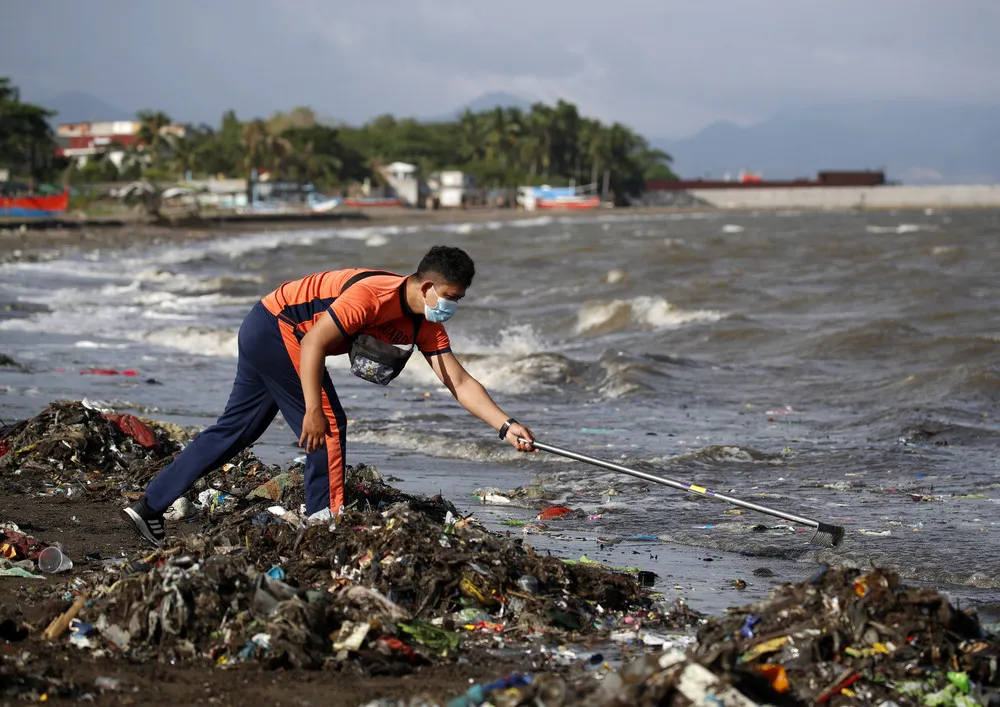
(19,572)
(398,581)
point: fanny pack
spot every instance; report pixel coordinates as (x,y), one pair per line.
(372,359)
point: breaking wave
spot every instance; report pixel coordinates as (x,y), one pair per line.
(901,228)
(199,340)
(652,312)
(436,445)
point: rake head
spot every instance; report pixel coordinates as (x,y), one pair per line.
(829,535)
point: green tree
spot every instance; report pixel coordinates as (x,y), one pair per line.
(26,140)
(184,153)
(151,128)
(317,154)
(507,147)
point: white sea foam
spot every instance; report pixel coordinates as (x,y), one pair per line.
(436,445)
(653,312)
(87,344)
(732,228)
(902,228)
(199,340)
(514,362)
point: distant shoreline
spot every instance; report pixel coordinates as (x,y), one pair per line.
(32,239)
(24,239)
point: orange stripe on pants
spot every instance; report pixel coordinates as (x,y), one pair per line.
(329,461)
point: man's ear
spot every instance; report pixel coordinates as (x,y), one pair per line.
(425,287)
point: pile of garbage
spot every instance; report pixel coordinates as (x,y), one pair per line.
(399,581)
(386,588)
(844,637)
(81,447)
(850,637)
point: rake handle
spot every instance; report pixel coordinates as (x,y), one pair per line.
(691,488)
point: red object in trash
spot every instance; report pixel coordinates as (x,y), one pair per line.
(397,646)
(135,428)
(554,512)
(108,372)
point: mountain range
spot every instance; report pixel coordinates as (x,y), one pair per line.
(914,141)
(79,107)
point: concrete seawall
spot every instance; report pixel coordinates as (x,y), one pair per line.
(881,197)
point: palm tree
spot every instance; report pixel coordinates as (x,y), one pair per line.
(471,136)
(278,154)
(151,125)
(504,129)
(531,152)
(540,121)
(595,142)
(254,136)
(311,166)
(184,154)
(565,138)
(25,135)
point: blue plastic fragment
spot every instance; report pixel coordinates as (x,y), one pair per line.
(748,626)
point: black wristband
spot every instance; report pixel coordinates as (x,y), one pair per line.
(506,426)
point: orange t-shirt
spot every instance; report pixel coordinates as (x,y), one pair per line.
(375,306)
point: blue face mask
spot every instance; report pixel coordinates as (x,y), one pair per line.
(441,312)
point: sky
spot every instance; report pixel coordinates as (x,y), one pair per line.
(664,67)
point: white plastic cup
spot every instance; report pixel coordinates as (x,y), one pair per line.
(52,560)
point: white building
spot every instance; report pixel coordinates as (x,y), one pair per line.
(404,180)
(81,141)
(452,189)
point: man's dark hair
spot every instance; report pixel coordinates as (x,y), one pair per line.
(452,264)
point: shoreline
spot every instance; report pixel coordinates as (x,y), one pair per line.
(22,239)
(26,239)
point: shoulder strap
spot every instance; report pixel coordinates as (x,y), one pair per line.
(417,320)
(362,276)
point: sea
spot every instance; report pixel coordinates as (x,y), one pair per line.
(842,367)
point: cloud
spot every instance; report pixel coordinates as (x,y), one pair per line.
(666,68)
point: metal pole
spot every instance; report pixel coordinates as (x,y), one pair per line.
(692,488)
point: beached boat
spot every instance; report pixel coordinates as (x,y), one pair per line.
(569,202)
(368,201)
(20,205)
(546,197)
(320,204)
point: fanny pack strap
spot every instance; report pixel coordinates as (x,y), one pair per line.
(417,320)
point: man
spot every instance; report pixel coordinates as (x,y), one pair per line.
(283,344)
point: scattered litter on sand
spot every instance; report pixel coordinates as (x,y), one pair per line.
(398,582)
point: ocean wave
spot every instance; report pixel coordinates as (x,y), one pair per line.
(595,318)
(716,454)
(199,340)
(902,228)
(881,338)
(184,284)
(437,445)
